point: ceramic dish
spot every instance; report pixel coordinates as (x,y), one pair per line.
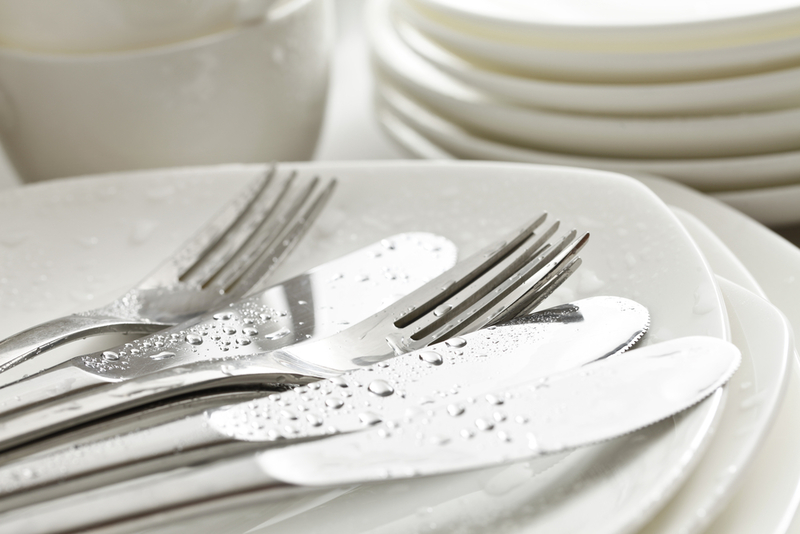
(713,174)
(82,26)
(773,206)
(67,240)
(756,92)
(619,137)
(759,328)
(621,24)
(768,498)
(250,94)
(582,64)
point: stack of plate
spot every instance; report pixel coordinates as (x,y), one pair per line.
(708,94)
(729,465)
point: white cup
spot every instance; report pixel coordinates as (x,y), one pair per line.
(250,94)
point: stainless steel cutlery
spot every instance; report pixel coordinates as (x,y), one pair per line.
(220,264)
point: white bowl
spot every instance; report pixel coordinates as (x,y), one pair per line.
(79,26)
(252,94)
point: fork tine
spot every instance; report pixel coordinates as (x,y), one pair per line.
(239,234)
(444,286)
(539,288)
(491,279)
(526,305)
(504,295)
(241,275)
(201,244)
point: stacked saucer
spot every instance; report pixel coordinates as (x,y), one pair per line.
(709,97)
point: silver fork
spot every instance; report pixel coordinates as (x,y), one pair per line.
(241,245)
(500,282)
(492,286)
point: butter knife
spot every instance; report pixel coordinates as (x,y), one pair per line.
(526,349)
(574,408)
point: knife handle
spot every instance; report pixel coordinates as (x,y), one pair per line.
(165,496)
(33,341)
(59,414)
(66,469)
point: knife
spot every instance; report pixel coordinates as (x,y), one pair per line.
(528,348)
(318,303)
(574,408)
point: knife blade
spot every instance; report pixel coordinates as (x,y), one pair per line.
(317,303)
(530,347)
(582,406)
(579,407)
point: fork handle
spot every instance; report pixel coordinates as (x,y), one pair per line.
(51,334)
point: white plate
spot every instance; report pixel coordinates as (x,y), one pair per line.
(595,64)
(66,240)
(773,206)
(754,393)
(588,135)
(770,489)
(712,174)
(756,92)
(626,24)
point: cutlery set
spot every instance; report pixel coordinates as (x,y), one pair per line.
(393,361)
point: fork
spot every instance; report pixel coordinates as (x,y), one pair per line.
(491,286)
(241,245)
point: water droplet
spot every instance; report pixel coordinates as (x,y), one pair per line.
(193,339)
(369,418)
(334,403)
(533,443)
(381,388)
(456,342)
(503,436)
(439,440)
(455,409)
(222,316)
(493,399)
(243,341)
(483,424)
(249,331)
(286,414)
(110,355)
(466,433)
(162,355)
(230,330)
(441,310)
(278,334)
(338,381)
(313,419)
(431,357)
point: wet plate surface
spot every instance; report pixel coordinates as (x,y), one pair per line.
(68,245)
